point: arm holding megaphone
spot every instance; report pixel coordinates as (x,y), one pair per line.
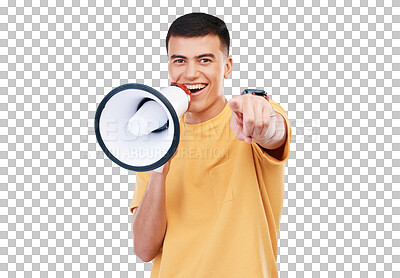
(138,128)
(149,219)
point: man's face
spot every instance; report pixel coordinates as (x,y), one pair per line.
(200,63)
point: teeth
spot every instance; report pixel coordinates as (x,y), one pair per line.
(196,86)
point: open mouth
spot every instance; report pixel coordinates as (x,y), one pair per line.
(196,89)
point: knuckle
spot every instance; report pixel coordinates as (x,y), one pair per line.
(249,121)
(259,124)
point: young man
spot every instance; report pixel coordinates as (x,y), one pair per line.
(214,210)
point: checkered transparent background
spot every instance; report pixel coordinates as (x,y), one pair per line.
(333,65)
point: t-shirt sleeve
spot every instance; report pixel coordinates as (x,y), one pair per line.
(281,154)
(142,179)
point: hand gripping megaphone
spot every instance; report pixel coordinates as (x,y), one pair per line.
(137,126)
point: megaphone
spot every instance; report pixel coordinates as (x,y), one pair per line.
(137,126)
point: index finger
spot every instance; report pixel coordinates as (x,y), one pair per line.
(236,104)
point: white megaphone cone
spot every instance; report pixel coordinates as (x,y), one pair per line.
(138,127)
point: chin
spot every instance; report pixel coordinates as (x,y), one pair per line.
(195,107)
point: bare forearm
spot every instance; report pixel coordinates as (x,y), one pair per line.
(149,222)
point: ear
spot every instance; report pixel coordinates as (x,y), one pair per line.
(228,67)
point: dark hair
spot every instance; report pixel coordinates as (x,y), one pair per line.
(198,25)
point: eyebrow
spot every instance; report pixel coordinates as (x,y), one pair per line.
(197,57)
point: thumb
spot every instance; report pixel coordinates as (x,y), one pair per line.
(236,104)
(243,137)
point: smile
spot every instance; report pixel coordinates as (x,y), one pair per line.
(196,89)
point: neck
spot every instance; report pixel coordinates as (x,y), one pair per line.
(193,118)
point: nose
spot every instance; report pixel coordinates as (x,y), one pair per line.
(191,71)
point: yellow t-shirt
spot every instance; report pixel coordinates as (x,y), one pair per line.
(224,199)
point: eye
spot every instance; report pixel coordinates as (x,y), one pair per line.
(179,61)
(205,60)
